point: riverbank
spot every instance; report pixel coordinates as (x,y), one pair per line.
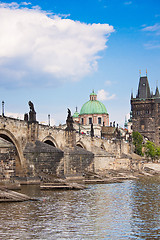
(78,182)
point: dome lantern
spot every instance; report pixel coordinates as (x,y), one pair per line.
(93,96)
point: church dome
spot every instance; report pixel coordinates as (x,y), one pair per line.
(93,106)
(76,114)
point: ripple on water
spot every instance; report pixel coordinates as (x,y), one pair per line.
(128,210)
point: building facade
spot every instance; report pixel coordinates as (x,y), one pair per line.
(92,112)
(145,109)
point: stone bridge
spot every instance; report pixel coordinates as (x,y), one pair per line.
(21,133)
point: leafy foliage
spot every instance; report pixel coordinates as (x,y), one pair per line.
(151,150)
(137,142)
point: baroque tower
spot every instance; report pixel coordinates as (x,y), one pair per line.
(145,109)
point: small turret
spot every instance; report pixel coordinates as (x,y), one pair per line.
(125,124)
(93,96)
(157,93)
(132,94)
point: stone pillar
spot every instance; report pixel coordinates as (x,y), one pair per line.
(70,137)
(32,116)
(33,129)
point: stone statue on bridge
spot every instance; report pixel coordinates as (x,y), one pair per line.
(32,112)
(31,106)
(69,113)
(69,121)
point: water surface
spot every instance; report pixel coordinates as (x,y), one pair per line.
(128,210)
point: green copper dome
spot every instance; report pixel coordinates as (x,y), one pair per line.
(92,107)
(76,115)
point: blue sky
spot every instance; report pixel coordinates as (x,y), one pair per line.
(55,52)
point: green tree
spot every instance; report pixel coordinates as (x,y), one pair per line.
(151,150)
(137,142)
(157,152)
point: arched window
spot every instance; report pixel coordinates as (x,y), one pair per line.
(90,120)
(99,120)
(142,125)
(82,121)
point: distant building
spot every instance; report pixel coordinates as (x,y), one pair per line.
(129,124)
(76,116)
(92,112)
(145,109)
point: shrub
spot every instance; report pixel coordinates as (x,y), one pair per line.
(137,142)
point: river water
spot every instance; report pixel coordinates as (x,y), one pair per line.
(128,210)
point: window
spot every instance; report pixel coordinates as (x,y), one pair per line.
(99,120)
(142,125)
(82,120)
(90,120)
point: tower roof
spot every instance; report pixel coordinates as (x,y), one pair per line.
(143,89)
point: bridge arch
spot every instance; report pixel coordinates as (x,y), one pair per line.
(51,141)
(7,135)
(80,144)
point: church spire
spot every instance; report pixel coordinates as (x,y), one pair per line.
(131,93)
(125,124)
(157,92)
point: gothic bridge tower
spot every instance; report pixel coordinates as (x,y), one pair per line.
(145,109)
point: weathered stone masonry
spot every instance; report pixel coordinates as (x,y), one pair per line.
(33,156)
(146,111)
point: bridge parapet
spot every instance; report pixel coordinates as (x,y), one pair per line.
(116,147)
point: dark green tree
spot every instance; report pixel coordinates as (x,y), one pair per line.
(137,142)
(152,151)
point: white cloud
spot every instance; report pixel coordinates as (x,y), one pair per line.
(155,28)
(108,83)
(103,95)
(128,2)
(152,45)
(154,33)
(35,44)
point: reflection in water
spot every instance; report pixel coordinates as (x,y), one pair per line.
(146,205)
(126,210)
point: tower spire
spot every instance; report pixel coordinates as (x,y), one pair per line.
(146,72)
(132,93)
(140,72)
(157,90)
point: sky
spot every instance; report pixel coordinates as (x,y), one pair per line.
(56,52)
